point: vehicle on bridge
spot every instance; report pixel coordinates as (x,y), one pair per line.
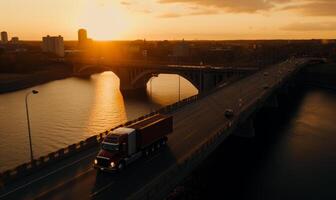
(124,145)
(229,113)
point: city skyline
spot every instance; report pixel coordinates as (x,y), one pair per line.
(171,19)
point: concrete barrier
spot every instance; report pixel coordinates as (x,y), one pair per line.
(60,152)
(21,169)
(51,156)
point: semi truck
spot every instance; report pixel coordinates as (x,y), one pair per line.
(125,145)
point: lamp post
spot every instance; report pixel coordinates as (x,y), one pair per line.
(200,78)
(151,97)
(179,85)
(29,134)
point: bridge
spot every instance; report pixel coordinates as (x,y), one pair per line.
(134,75)
(200,126)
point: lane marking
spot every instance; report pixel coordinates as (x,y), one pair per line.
(187,136)
(152,158)
(50,173)
(62,184)
(101,189)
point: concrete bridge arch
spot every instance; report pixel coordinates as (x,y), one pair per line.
(133,79)
(143,77)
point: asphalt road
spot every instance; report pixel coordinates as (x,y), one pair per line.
(74,178)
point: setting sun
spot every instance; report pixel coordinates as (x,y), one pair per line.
(170,19)
(106,20)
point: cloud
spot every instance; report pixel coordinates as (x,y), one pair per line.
(193,11)
(305,7)
(239,6)
(313,26)
(171,15)
(125,3)
(314,7)
(135,7)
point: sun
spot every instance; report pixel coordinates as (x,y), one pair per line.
(105,20)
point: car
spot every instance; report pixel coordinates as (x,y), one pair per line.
(229,113)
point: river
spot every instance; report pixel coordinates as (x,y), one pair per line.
(69,110)
(292,156)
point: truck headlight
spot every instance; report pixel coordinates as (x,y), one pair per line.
(112,164)
(95,161)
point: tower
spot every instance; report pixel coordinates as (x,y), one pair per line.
(4,37)
(82,37)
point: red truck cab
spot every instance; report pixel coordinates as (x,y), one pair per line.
(124,145)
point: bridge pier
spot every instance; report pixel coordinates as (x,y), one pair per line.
(126,86)
(246,129)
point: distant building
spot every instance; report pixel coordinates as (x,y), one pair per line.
(130,49)
(83,40)
(15,40)
(4,37)
(53,45)
(82,36)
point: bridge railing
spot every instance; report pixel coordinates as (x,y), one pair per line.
(29,168)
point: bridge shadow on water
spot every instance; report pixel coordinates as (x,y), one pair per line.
(236,169)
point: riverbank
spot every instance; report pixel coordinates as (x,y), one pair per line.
(12,82)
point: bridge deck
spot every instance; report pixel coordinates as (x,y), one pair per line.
(74,178)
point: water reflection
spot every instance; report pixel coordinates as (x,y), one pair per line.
(165,89)
(108,104)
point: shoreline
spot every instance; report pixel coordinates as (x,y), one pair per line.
(320,77)
(15,82)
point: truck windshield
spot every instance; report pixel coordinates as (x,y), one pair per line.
(110,147)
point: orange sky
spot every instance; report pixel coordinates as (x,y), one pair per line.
(170,19)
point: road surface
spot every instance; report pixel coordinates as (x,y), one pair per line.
(74,178)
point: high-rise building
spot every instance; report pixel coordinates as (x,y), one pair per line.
(4,37)
(82,37)
(53,45)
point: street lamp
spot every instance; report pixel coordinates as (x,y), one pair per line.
(151,97)
(30,142)
(179,85)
